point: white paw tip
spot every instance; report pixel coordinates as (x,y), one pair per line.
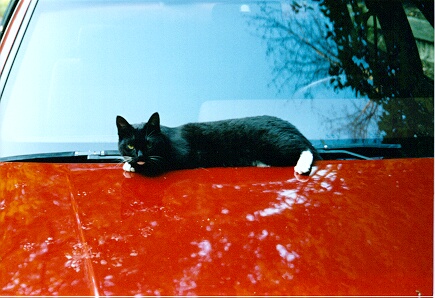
(127,167)
(304,163)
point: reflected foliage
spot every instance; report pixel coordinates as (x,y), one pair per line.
(355,44)
(385,66)
(298,42)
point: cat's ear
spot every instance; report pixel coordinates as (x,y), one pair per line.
(154,121)
(123,126)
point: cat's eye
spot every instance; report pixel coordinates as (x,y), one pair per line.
(131,147)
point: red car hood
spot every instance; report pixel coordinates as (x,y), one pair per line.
(353,228)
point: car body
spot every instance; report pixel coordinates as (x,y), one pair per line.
(73,223)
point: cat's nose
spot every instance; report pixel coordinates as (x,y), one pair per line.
(139,153)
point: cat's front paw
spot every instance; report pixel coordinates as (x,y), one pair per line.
(304,163)
(128,168)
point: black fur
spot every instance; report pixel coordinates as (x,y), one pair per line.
(228,143)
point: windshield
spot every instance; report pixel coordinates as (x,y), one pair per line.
(335,71)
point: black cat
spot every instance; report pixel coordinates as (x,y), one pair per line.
(152,149)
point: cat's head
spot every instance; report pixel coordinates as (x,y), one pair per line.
(143,145)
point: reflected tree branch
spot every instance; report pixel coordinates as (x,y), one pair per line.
(375,63)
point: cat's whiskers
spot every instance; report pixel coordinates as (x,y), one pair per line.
(156,160)
(122,162)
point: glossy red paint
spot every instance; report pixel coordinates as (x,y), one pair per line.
(12,31)
(353,228)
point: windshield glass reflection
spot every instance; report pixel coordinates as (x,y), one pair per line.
(355,46)
(337,70)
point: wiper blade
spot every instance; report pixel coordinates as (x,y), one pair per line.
(360,151)
(100,155)
(70,156)
(323,152)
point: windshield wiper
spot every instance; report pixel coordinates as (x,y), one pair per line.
(70,156)
(100,155)
(360,151)
(348,151)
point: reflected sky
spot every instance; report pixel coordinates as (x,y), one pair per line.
(210,61)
